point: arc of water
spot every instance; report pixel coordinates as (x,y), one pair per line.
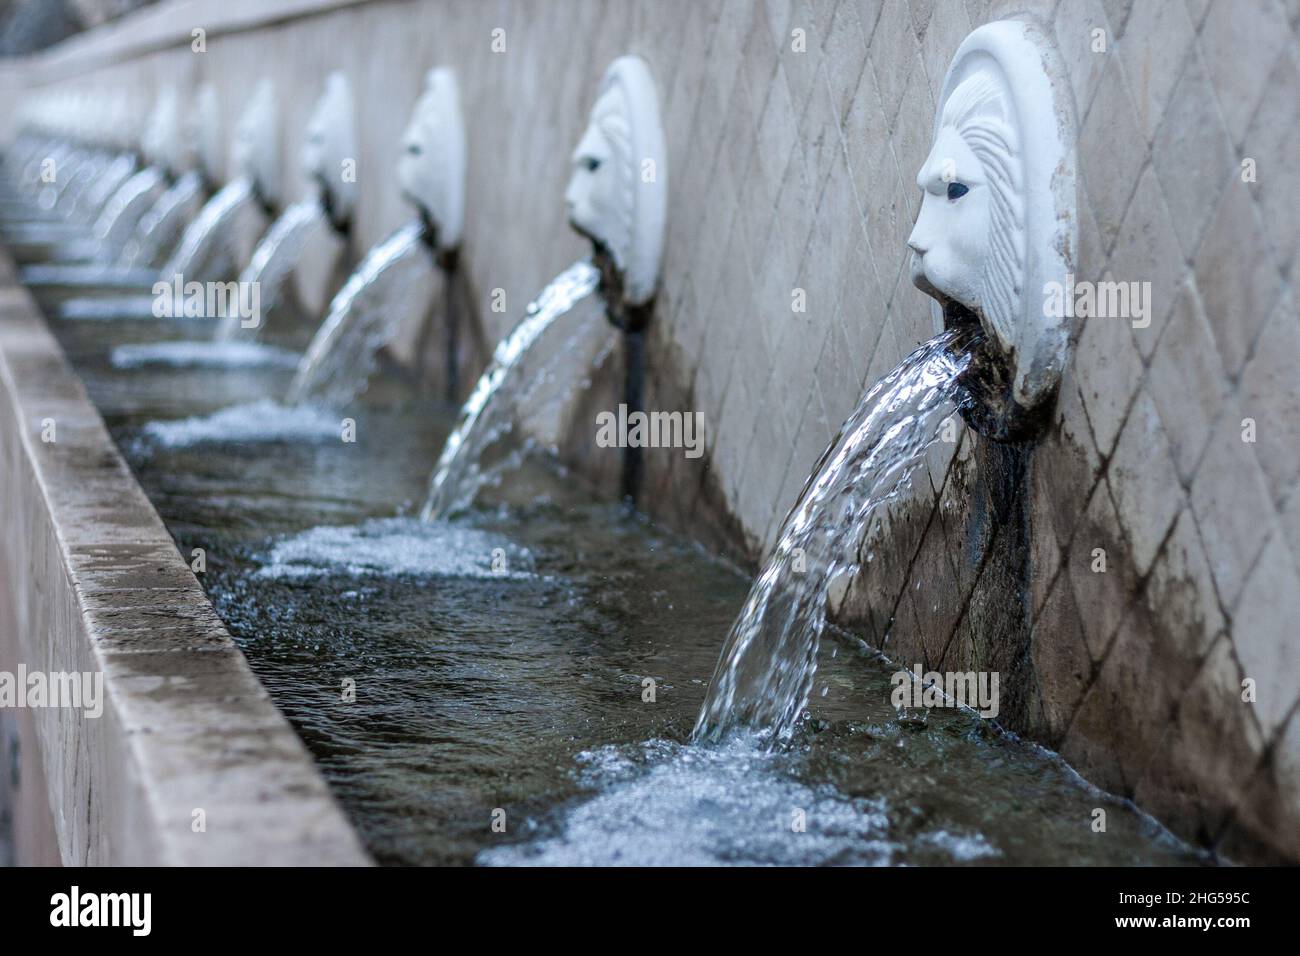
(131,201)
(195,257)
(765,672)
(160,228)
(273,260)
(97,194)
(447,487)
(362,318)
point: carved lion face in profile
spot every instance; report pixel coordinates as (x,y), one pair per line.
(601,197)
(256,152)
(431,171)
(201,128)
(161,141)
(617,192)
(968,242)
(328,143)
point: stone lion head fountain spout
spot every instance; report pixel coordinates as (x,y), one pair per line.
(997,222)
(329,144)
(431,171)
(256,150)
(617,193)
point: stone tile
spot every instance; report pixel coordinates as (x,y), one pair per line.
(800,68)
(1156,37)
(865,135)
(894,53)
(1092,252)
(948,26)
(819,132)
(888,222)
(1236,276)
(1144,482)
(1241,44)
(1232,505)
(1091,740)
(1108,371)
(840,385)
(844,56)
(1193,154)
(912,138)
(1197,9)
(868,15)
(1117,12)
(862,308)
(1272,141)
(1182,589)
(1073,27)
(1290,518)
(739,132)
(1067,466)
(1186,380)
(776,15)
(777,129)
(1214,745)
(921,12)
(978,11)
(1146,251)
(1101,596)
(1264,631)
(1270,394)
(1146,677)
(1112,151)
(1266,829)
(758,62)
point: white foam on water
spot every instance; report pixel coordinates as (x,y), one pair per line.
(683,805)
(963,848)
(210,354)
(123,307)
(393,547)
(260,421)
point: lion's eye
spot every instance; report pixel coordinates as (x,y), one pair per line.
(591,164)
(957,190)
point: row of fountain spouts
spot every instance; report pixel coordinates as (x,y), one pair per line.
(71,139)
(152,223)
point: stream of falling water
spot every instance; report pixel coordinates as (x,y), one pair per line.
(124,209)
(483,417)
(161,227)
(202,247)
(365,315)
(272,262)
(765,673)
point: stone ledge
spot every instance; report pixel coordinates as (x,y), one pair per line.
(92,582)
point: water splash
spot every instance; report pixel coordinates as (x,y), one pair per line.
(365,315)
(203,355)
(483,418)
(114,308)
(274,259)
(260,421)
(675,805)
(390,547)
(203,252)
(765,673)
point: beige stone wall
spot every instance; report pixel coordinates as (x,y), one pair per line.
(795,170)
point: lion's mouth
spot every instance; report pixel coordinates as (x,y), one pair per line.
(956,315)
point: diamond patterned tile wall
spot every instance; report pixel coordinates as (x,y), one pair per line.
(795,129)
